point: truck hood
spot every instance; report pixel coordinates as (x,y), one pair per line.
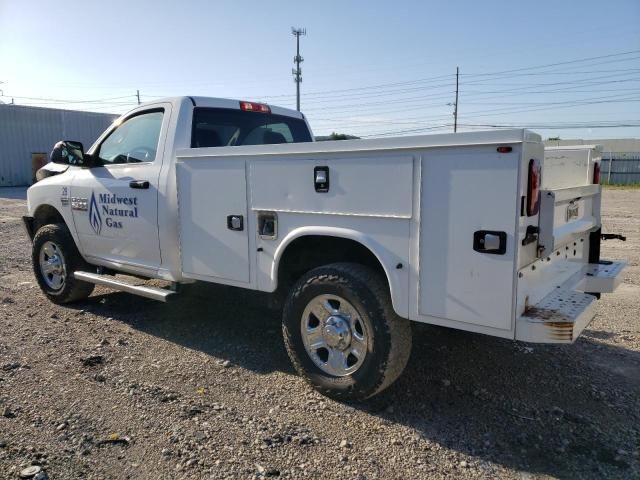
(50,169)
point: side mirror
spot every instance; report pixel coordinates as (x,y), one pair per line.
(68,152)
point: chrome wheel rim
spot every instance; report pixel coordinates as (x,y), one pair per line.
(52,265)
(334,335)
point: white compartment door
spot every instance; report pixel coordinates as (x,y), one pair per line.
(214,236)
(465,191)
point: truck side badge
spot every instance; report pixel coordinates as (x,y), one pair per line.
(321,179)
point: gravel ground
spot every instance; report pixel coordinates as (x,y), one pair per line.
(122,387)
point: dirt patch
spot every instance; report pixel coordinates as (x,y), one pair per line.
(123,387)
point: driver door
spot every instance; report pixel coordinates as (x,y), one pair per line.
(115,203)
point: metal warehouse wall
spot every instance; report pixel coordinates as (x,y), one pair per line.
(620,168)
(27,130)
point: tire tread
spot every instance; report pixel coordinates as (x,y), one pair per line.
(74,290)
(396,328)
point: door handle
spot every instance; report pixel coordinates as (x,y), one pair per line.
(321,179)
(141,184)
(490,241)
(235,222)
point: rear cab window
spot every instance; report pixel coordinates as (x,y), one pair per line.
(222,127)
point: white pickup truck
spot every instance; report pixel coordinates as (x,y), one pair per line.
(358,237)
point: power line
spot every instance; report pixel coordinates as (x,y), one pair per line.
(540,126)
(634,123)
(364,90)
(396,132)
(59,100)
(571,103)
(418,102)
(479,81)
(579,60)
(525,71)
(369,87)
(441,87)
(520,87)
(561,82)
(455,111)
(565,72)
(367,95)
(552,106)
(350,108)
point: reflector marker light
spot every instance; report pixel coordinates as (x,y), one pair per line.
(254,107)
(533,188)
(596,173)
(504,149)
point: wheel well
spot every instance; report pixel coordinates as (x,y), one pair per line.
(308,252)
(45,215)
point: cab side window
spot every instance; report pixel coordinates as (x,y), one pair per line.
(134,141)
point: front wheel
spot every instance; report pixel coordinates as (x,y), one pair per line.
(55,258)
(342,334)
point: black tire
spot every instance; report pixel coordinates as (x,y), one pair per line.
(71,290)
(388,344)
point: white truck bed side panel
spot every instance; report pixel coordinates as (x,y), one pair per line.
(209,191)
(370,201)
(463,191)
(374,187)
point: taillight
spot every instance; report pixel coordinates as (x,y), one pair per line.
(533,188)
(254,107)
(596,173)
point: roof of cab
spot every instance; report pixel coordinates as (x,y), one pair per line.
(213,102)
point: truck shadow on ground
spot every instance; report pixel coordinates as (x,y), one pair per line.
(556,410)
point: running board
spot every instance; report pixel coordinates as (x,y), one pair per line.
(153,293)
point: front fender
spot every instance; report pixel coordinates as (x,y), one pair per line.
(49,192)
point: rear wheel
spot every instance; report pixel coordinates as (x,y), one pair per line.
(55,258)
(342,334)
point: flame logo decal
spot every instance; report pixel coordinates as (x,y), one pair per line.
(94,215)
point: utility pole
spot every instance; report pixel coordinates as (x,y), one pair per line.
(138,95)
(455,105)
(297,60)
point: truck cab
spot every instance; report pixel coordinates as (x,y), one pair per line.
(123,204)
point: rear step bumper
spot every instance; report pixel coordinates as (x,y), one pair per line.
(153,293)
(603,277)
(563,314)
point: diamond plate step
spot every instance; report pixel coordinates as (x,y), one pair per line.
(602,277)
(559,317)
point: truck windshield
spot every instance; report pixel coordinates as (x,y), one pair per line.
(221,127)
